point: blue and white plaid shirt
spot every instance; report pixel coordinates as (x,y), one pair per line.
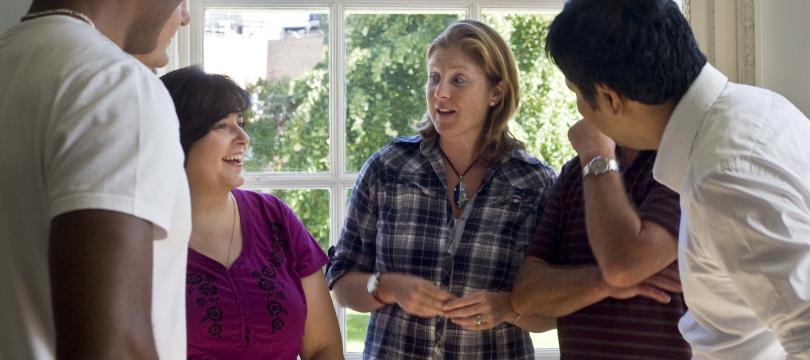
(400,220)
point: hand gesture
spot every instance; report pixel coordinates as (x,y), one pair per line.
(589,142)
(415,295)
(656,287)
(480,311)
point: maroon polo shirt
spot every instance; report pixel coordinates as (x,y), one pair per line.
(637,328)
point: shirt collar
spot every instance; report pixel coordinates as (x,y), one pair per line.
(682,128)
(430,148)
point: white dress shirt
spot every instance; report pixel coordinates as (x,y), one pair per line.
(739,156)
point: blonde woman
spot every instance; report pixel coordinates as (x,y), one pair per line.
(438,223)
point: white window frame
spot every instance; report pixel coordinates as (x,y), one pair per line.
(188,50)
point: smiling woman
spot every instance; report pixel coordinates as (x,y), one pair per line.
(254,282)
(312,130)
(433,251)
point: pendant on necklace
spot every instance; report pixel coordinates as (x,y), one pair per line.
(460,194)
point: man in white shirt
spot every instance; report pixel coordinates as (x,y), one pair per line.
(95,212)
(737,155)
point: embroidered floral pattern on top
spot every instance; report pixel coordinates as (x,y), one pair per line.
(208,296)
(265,279)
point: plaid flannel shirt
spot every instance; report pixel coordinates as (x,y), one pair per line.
(400,220)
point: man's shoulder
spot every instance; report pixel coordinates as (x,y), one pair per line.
(747,124)
(67,51)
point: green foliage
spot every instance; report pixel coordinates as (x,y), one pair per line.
(312,207)
(290,119)
(289,123)
(385,75)
(547,107)
(356,325)
(385,78)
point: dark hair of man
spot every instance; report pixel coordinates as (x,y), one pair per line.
(642,49)
(201,100)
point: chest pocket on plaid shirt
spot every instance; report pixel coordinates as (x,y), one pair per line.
(408,211)
(505,224)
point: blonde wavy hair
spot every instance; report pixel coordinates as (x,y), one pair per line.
(484,45)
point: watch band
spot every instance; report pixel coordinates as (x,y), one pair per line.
(600,165)
(378,298)
(374,284)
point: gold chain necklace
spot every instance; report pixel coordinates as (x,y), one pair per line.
(67,12)
(233,229)
(230,241)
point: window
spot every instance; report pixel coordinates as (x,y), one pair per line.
(332,81)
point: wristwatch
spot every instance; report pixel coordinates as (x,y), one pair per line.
(600,165)
(372,285)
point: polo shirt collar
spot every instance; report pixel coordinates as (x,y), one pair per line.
(675,149)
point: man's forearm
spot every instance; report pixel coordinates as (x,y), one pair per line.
(101,285)
(535,323)
(626,249)
(545,290)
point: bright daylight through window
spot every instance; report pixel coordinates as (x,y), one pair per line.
(311,132)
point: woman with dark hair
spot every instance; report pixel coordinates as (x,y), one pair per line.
(254,285)
(438,223)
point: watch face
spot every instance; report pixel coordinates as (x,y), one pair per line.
(599,165)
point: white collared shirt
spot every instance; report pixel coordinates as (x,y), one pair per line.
(739,156)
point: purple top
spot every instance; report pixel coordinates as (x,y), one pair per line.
(257,308)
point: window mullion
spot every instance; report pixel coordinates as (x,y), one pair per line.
(474,11)
(337,121)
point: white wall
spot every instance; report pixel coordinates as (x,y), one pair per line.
(786,50)
(11,11)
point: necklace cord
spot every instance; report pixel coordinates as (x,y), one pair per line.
(67,12)
(460,192)
(454,168)
(233,229)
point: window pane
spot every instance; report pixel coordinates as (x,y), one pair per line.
(385,77)
(546,340)
(547,107)
(356,322)
(280,57)
(356,326)
(312,208)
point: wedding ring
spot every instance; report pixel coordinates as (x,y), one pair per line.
(478,319)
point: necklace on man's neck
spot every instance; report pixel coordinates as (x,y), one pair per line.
(68,12)
(461,193)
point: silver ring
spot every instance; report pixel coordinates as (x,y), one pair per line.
(478,319)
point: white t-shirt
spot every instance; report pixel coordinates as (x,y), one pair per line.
(84,126)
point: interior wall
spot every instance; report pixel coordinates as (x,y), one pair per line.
(786,50)
(11,11)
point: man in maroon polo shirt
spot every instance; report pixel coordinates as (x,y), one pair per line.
(603,257)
